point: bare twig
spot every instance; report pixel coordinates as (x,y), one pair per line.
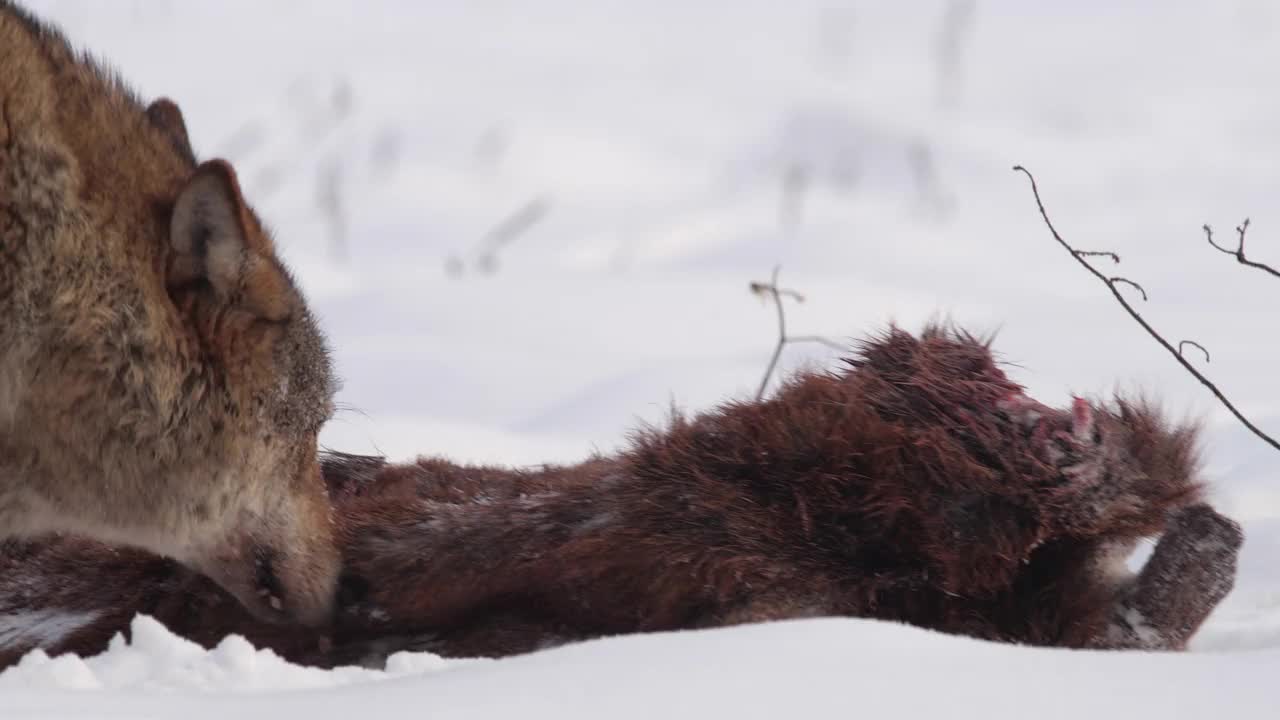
(1130,283)
(771,291)
(1111,285)
(839,347)
(1196,345)
(765,289)
(1099,253)
(1238,253)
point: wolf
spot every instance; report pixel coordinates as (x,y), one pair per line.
(918,484)
(162,381)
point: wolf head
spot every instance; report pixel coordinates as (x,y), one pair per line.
(268,381)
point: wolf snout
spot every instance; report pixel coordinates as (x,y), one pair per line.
(279,585)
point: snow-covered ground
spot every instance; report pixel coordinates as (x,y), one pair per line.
(654,157)
(797,669)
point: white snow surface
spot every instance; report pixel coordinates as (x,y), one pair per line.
(799,668)
(654,143)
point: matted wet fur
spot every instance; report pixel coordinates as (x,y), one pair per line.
(162,381)
(917,484)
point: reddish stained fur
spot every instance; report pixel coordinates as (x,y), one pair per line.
(919,485)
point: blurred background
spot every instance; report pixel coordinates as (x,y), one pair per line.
(529,226)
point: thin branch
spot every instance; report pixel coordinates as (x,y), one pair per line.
(840,347)
(1208,235)
(760,288)
(1241,230)
(1196,345)
(1130,283)
(1111,285)
(1099,253)
(771,291)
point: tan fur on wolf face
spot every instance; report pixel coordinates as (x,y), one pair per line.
(161,379)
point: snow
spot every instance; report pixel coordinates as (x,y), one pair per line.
(801,668)
(155,659)
(678,151)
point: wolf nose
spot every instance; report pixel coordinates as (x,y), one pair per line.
(266,583)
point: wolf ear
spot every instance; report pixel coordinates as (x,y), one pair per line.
(164,115)
(208,230)
(216,240)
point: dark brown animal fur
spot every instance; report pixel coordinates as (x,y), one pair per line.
(917,485)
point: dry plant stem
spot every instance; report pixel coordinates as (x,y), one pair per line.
(1130,283)
(1111,285)
(1195,345)
(776,293)
(1099,253)
(820,340)
(1238,253)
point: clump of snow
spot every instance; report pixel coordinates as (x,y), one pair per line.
(156,659)
(802,668)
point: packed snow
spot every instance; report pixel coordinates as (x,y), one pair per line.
(528,226)
(802,668)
